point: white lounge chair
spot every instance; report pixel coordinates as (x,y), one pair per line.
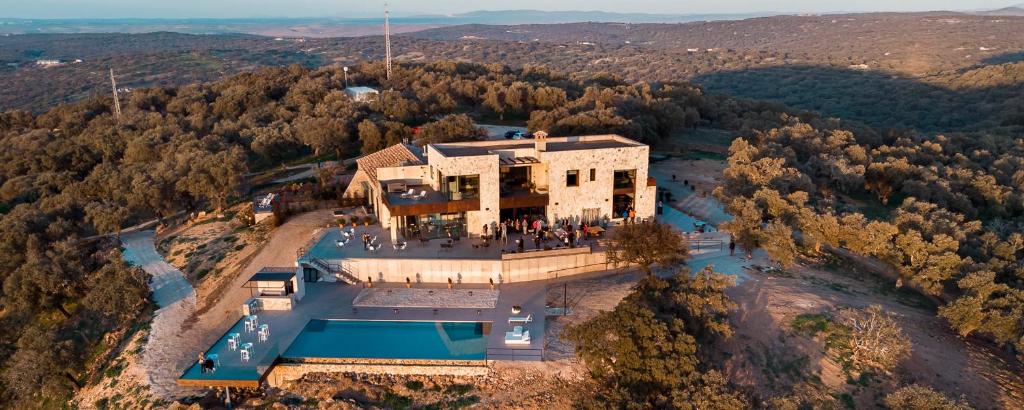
(423,194)
(411,193)
(517,336)
(520,319)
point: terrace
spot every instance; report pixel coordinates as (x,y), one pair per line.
(426,200)
(335,301)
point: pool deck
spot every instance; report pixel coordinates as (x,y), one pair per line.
(326,247)
(334,301)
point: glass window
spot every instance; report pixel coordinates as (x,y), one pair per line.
(572,177)
(625,179)
(593,175)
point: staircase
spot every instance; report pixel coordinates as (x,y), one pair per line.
(332,269)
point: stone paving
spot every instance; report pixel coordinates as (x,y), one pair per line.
(427,298)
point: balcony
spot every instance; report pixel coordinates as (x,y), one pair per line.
(523,198)
(427,201)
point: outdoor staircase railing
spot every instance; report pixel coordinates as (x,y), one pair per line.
(333,269)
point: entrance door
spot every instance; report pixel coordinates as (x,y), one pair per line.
(309,275)
(289,288)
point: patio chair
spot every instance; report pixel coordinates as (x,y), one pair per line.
(409,194)
(520,319)
(233,341)
(246,352)
(341,244)
(251,322)
(264,333)
(423,194)
(346,235)
(399,246)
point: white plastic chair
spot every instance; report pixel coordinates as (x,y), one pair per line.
(251,322)
(423,194)
(233,341)
(264,333)
(246,352)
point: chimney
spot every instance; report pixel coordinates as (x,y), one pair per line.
(540,139)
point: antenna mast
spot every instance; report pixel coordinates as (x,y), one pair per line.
(117,101)
(387,41)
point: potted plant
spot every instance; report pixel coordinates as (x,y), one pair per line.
(367,220)
(341,221)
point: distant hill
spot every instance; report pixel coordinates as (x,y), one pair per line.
(1017,10)
(576,16)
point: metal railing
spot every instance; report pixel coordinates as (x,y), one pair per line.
(333,269)
(310,243)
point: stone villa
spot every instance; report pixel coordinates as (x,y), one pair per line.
(459,188)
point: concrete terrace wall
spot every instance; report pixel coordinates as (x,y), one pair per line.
(511,268)
(424,270)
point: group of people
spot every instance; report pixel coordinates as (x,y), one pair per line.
(541,232)
(629,216)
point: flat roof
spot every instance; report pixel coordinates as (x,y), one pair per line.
(554,144)
(360,89)
(272,276)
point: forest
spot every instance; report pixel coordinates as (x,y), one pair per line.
(943,212)
(77,172)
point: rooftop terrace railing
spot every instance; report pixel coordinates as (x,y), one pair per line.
(304,249)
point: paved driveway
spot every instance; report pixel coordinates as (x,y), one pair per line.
(168,283)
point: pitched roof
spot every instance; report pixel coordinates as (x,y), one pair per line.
(393,156)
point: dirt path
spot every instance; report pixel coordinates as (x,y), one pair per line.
(176,301)
(177,335)
(768,357)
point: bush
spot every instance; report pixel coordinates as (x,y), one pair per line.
(414,385)
(916,397)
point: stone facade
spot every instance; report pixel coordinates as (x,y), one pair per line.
(549,160)
(486,166)
(570,201)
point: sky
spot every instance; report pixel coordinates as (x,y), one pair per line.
(362,8)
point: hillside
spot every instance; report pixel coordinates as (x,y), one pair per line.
(924,68)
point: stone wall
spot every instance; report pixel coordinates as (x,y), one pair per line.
(569,202)
(275,302)
(283,373)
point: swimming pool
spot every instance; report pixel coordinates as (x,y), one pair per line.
(402,340)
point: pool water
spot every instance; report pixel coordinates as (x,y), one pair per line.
(349,339)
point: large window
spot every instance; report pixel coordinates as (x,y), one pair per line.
(625,179)
(572,177)
(458,187)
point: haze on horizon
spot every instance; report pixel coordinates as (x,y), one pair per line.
(67,9)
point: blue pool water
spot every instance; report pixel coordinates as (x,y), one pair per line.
(348,339)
